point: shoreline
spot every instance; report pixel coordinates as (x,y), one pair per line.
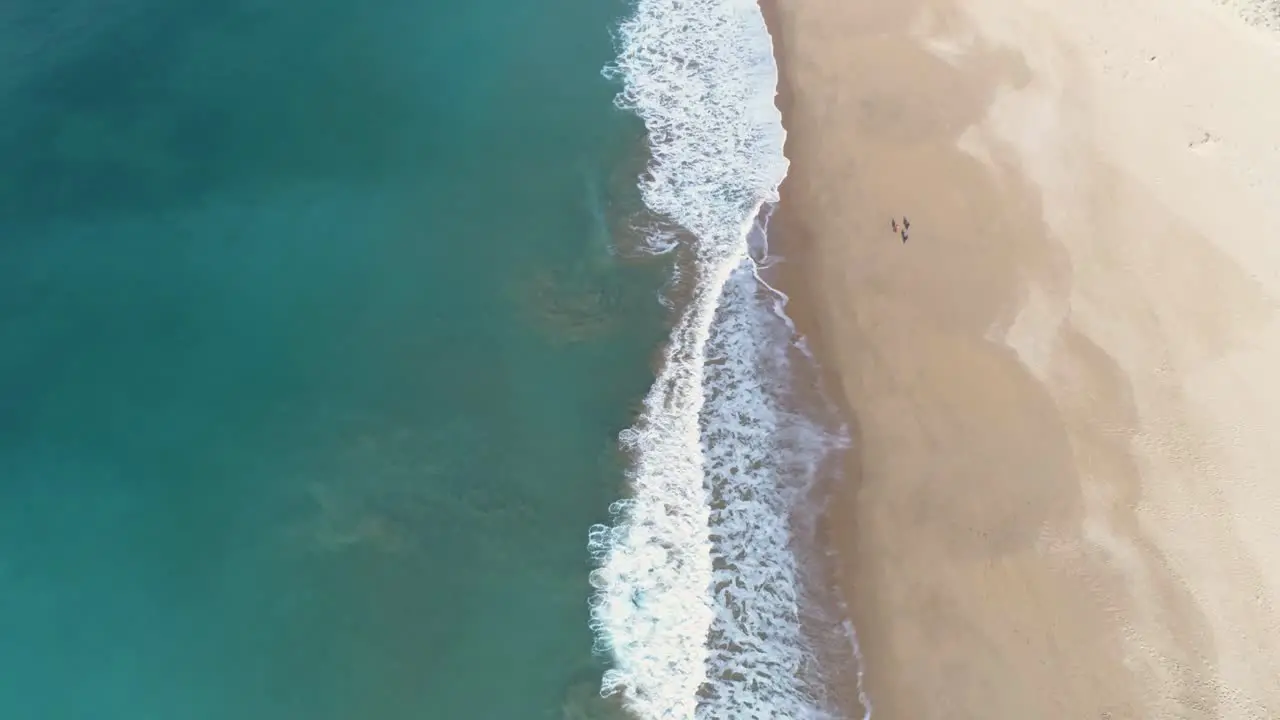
(838,476)
(1053,448)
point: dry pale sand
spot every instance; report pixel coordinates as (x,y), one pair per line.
(1065,500)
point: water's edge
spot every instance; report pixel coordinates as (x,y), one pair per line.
(702,601)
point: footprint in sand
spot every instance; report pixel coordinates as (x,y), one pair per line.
(1205,143)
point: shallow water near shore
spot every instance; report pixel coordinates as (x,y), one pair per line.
(313,355)
(707,597)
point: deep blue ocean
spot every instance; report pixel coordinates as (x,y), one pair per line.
(314,349)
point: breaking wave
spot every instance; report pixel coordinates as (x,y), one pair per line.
(698,592)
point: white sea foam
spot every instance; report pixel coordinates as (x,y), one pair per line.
(760,461)
(697,591)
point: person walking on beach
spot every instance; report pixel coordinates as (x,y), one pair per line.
(900,230)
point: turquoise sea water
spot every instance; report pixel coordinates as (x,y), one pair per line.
(313,355)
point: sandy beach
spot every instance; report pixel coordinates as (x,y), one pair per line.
(1064,497)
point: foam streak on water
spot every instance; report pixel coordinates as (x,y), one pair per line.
(694,627)
(761,458)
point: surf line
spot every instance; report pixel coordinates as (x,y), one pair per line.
(702,77)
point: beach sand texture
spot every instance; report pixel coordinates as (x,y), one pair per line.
(1064,500)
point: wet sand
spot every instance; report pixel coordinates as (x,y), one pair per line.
(1064,499)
